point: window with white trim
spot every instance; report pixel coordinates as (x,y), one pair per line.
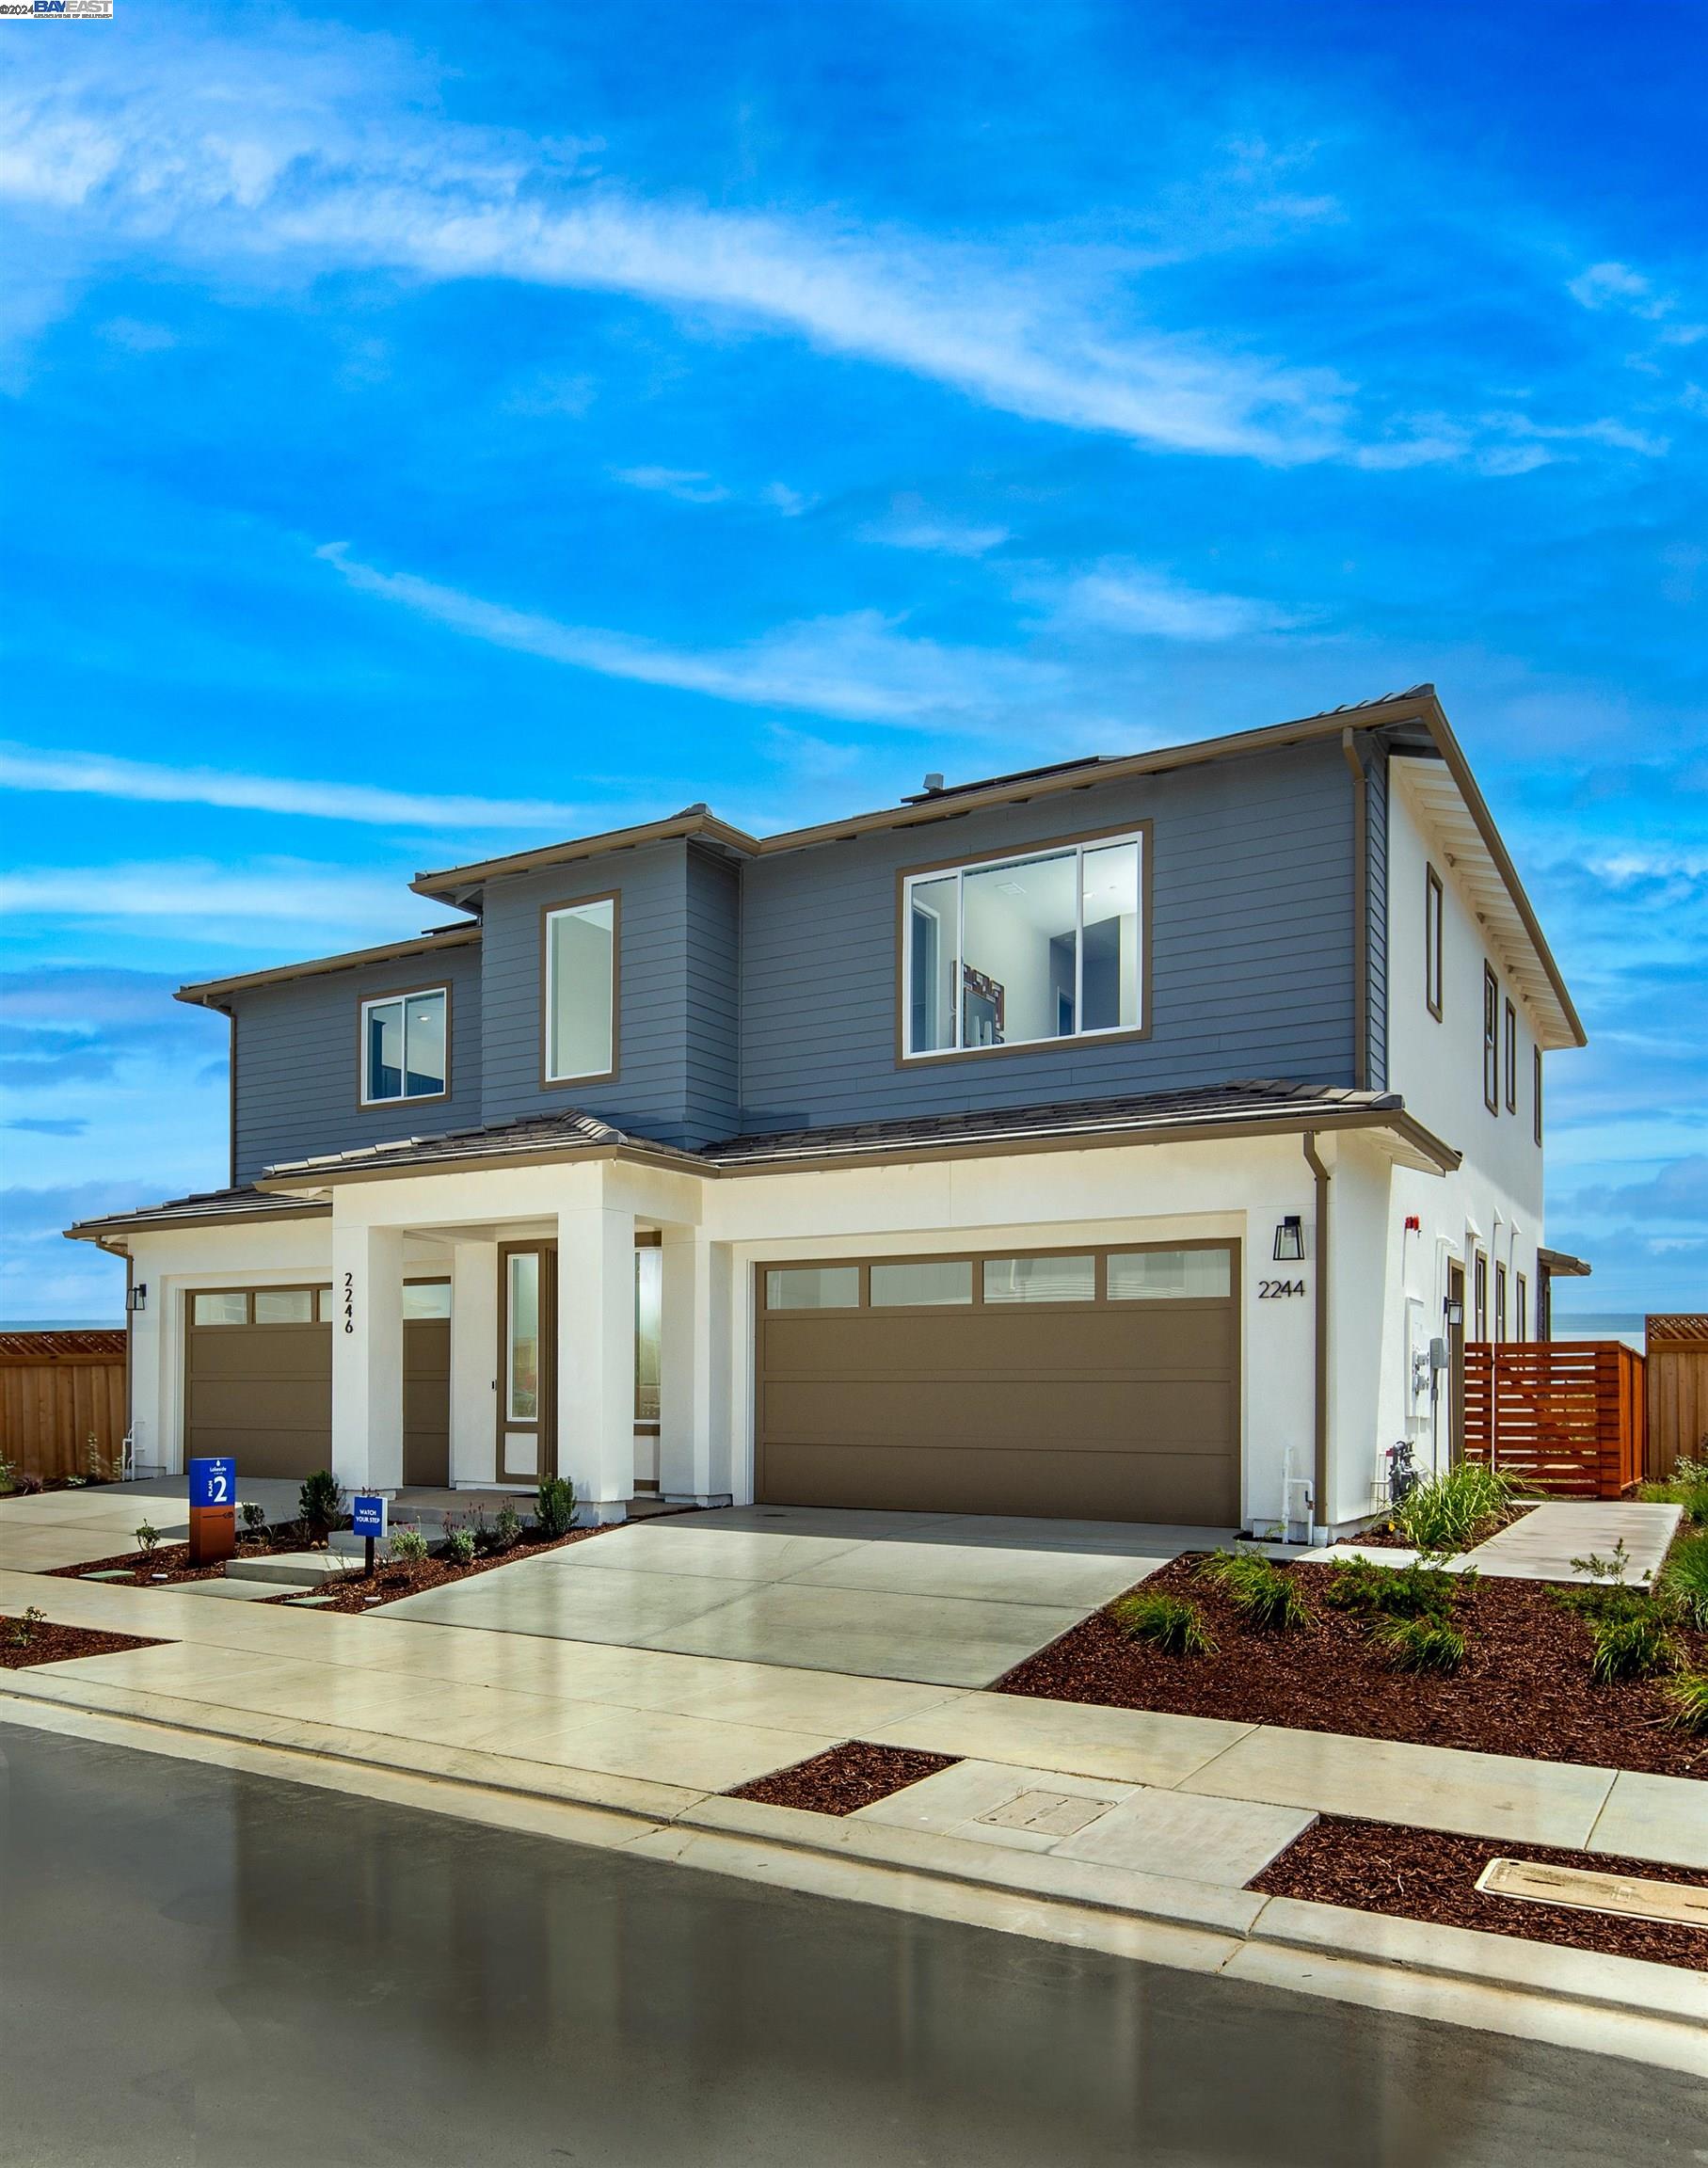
(403,1049)
(1018,951)
(580,990)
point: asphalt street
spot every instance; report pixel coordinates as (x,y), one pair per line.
(200,1966)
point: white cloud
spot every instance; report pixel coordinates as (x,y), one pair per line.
(687,484)
(105,775)
(1128,599)
(224,903)
(238,155)
(911,527)
(856,667)
(1616,285)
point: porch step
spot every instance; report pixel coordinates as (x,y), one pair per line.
(289,1568)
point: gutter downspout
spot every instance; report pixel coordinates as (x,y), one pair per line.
(1360,913)
(1320,1387)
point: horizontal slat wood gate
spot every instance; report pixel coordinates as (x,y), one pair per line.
(57,1391)
(1566,1415)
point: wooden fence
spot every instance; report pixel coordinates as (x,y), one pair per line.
(57,1390)
(1566,1415)
(1678,1391)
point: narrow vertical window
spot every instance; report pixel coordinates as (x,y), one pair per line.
(579,941)
(1521,1316)
(1500,1301)
(1480,1297)
(404,1051)
(1491,1041)
(1511,1056)
(648,1284)
(1432,938)
(521,1361)
(1536,1092)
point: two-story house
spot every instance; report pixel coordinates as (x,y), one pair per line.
(1127,1139)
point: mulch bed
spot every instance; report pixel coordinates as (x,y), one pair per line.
(50,1644)
(847,1776)
(1525,1687)
(170,1562)
(1427,1874)
(1388,1538)
(405,1577)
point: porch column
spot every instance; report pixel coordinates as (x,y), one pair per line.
(694,1370)
(596,1354)
(474,1362)
(368,1357)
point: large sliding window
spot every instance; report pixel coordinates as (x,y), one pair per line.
(405,1050)
(580,995)
(1018,951)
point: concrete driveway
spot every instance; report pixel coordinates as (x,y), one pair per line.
(951,1600)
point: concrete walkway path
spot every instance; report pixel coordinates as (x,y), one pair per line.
(1542,1546)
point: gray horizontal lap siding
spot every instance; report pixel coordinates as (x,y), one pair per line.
(677,1066)
(1252,950)
(298,1087)
(1377,824)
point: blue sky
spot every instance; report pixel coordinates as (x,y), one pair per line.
(426,432)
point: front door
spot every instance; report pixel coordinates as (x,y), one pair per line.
(1456,1364)
(526,1360)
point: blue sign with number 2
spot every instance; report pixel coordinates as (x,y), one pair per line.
(212,1482)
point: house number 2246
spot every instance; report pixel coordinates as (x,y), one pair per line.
(1271,1290)
(349,1303)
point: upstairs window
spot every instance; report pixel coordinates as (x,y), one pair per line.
(1536,1093)
(1432,938)
(1019,952)
(405,1042)
(580,969)
(1491,1041)
(1511,1053)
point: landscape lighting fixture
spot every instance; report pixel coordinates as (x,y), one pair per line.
(1289,1240)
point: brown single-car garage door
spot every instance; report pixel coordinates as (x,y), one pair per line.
(258,1379)
(1091,1384)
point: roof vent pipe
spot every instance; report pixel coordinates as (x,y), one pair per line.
(934,783)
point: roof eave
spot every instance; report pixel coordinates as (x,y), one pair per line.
(214,993)
(452,882)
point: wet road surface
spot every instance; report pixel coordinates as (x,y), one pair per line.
(201,1967)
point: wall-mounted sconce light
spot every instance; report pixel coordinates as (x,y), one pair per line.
(139,1296)
(1289,1240)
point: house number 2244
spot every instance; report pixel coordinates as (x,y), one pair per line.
(1271,1290)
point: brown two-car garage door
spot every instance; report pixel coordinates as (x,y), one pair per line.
(258,1379)
(1097,1384)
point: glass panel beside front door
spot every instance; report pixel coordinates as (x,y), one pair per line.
(522,1354)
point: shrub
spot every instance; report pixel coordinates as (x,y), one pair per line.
(1167,1623)
(407,1546)
(1687,1487)
(322,1505)
(253,1517)
(554,1507)
(1630,1645)
(506,1527)
(1444,1513)
(147,1536)
(94,1461)
(460,1544)
(25,1625)
(1423,1644)
(1262,1592)
(8,1470)
(1351,1584)
(1684,1579)
(1689,1695)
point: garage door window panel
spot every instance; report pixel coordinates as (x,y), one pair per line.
(940,1282)
(284,1306)
(1040,1279)
(813,1287)
(222,1309)
(1168,1275)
